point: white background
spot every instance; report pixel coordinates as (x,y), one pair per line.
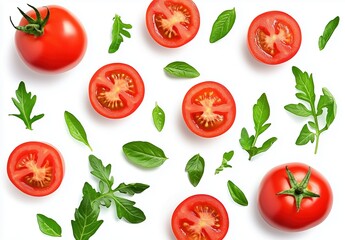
(228,62)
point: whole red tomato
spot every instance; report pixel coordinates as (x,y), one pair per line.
(50,39)
(294,197)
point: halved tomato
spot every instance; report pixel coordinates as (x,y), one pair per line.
(208,109)
(116,90)
(35,168)
(200,216)
(274,37)
(172,23)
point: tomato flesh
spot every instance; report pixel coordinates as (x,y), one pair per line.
(274,37)
(280,211)
(60,48)
(172,23)
(35,168)
(116,90)
(208,109)
(200,216)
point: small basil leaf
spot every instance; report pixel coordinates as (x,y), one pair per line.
(328,31)
(158,116)
(181,70)
(144,154)
(223,24)
(195,169)
(237,194)
(76,129)
(48,226)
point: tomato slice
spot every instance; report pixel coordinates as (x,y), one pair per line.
(200,216)
(172,23)
(116,90)
(274,37)
(208,109)
(35,168)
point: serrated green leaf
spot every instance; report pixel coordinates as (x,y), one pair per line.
(76,129)
(158,117)
(195,169)
(144,154)
(131,188)
(227,156)
(223,24)
(100,171)
(125,209)
(237,194)
(119,30)
(298,109)
(181,69)
(305,136)
(246,141)
(25,103)
(48,226)
(328,32)
(305,84)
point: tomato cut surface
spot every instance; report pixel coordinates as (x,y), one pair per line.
(61,46)
(172,23)
(35,168)
(116,90)
(274,37)
(200,216)
(208,109)
(281,210)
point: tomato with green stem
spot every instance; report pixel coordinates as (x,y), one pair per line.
(50,39)
(116,90)
(36,168)
(172,23)
(274,37)
(209,109)
(200,216)
(294,197)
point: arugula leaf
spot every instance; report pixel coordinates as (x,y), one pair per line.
(76,129)
(181,70)
(125,209)
(227,156)
(158,117)
(237,194)
(311,132)
(86,223)
(131,188)
(25,104)
(195,169)
(48,226)
(223,24)
(328,31)
(261,113)
(119,30)
(144,154)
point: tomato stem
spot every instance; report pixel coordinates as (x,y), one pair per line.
(34,26)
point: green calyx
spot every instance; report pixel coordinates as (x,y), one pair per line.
(298,190)
(34,26)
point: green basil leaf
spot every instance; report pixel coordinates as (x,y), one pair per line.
(246,141)
(181,70)
(144,154)
(305,136)
(76,129)
(158,116)
(261,113)
(237,194)
(48,226)
(328,31)
(223,24)
(195,169)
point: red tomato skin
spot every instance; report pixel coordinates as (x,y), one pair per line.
(102,75)
(280,211)
(40,149)
(60,48)
(184,212)
(285,51)
(187,33)
(227,101)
